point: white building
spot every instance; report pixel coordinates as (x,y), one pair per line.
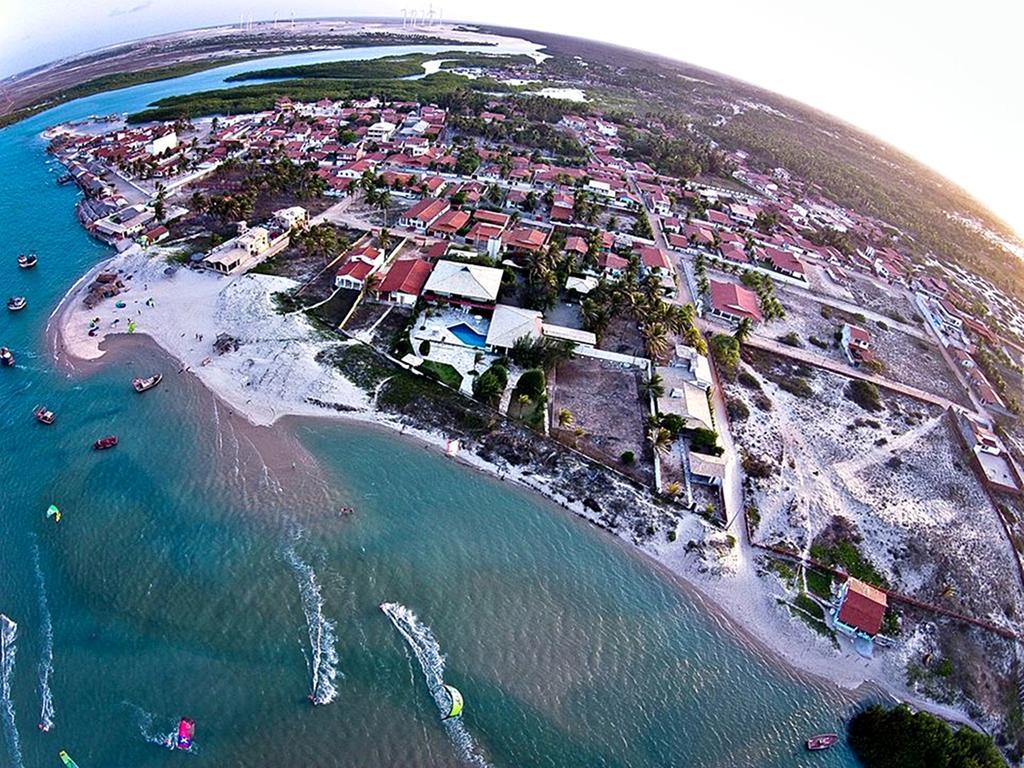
(381,132)
(162,144)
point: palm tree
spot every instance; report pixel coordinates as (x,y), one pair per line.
(743,330)
(383,202)
(661,439)
(656,336)
(654,385)
(577,434)
(565,418)
(674,488)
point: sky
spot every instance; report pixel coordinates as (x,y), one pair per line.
(940,80)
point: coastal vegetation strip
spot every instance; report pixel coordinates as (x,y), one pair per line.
(899,738)
(386,67)
(441,87)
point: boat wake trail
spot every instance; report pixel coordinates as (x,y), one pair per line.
(46,657)
(8,634)
(420,640)
(150,731)
(323,657)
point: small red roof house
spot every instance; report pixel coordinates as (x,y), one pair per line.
(784,262)
(733,302)
(861,609)
(359,265)
(481,234)
(612,263)
(494,218)
(733,252)
(718,218)
(437,251)
(525,239)
(404,281)
(576,244)
(156,234)
(448,224)
(654,259)
(857,344)
(423,214)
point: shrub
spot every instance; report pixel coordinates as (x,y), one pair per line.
(757,468)
(944,668)
(403,347)
(737,409)
(796,385)
(882,324)
(705,441)
(674,423)
(628,458)
(748,380)
(763,402)
(532,383)
(865,394)
(425,348)
(489,385)
(874,366)
(791,339)
(819,343)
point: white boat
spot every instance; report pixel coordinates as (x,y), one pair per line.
(16,303)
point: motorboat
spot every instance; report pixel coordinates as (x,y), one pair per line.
(6,357)
(141,385)
(16,303)
(27,260)
(104,443)
(186,732)
(44,415)
(822,741)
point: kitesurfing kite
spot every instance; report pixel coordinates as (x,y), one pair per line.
(456,702)
(54,513)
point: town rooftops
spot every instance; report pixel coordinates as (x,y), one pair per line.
(863,607)
(491,217)
(467,281)
(735,301)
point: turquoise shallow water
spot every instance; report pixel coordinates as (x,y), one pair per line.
(178,582)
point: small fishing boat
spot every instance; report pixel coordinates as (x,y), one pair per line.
(141,385)
(27,260)
(822,741)
(104,443)
(6,357)
(186,732)
(66,759)
(16,303)
(44,415)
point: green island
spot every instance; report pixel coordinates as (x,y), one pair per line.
(899,738)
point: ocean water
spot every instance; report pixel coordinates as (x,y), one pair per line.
(203,569)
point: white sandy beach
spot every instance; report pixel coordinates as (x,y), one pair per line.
(275,374)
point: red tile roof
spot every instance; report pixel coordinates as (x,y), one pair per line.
(735,300)
(863,607)
(406,276)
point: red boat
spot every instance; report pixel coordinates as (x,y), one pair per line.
(44,415)
(105,442)
(186,732)
(822,741)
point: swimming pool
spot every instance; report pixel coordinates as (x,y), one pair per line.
(467,335)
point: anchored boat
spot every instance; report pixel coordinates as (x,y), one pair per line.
(16,303)
(141,385)
(822,741)
(27,260)
(44,415)
(66,759)
(6,357)
(104,443)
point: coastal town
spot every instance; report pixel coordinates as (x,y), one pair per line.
(732,371)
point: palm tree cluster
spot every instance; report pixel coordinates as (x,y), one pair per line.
(640,297)
(763,286)
(376,192)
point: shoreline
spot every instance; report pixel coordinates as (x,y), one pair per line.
(740,601)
